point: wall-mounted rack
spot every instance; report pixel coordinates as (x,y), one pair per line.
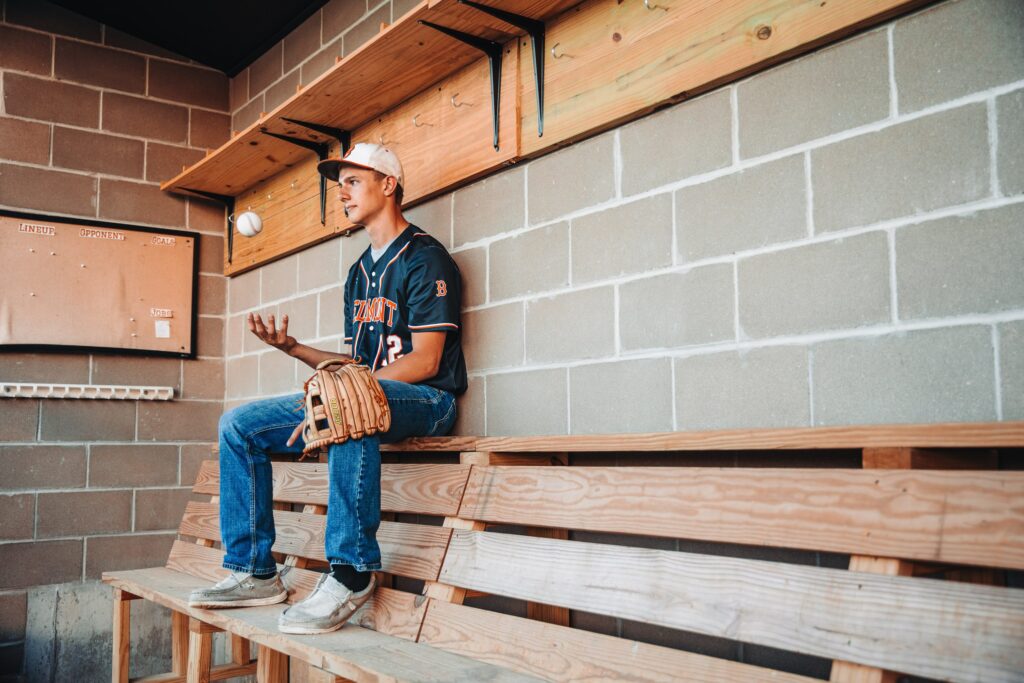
(402,60)
(96,391)
(416,88)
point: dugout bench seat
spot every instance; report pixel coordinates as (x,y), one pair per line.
(928,499)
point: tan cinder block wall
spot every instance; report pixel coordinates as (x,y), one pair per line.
(91,120)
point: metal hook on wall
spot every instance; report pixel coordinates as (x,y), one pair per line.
(647,4)
(381,138)
(555,55)
(456,105)
(417,124)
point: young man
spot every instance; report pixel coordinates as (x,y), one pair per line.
(402,321)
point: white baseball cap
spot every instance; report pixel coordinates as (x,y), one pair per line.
(365,155)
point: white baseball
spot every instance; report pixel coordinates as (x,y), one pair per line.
(249,223)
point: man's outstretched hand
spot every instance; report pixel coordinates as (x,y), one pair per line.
(269,334)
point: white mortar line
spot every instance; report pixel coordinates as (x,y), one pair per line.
(993,146)
(808,194)
(831,236)
(734,105)
(998,376)
(894,110)
(769,342)
(134,494)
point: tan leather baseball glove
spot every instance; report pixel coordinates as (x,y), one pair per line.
(343,401)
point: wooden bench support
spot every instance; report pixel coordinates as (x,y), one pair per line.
(272,666)
(909,458)
(122,635)
(534,610)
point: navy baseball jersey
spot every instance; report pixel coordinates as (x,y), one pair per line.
(414,286)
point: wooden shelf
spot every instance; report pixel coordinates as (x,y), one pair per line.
(401,61)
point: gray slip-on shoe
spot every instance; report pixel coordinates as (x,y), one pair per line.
(240,590)
(326,609)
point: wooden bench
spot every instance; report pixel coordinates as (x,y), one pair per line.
(899,522)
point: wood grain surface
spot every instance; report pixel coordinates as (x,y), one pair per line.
(429,489)
(560,653)
(411,550)
(957,517)
(354,652)
(913,625)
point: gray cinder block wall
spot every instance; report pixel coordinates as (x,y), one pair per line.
(834,241)
(837,240)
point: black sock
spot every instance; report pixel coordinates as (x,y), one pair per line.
(354,580)
(268,575)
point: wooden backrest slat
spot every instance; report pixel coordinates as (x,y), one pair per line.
(561,653)
(957,517)
(426,489)
(915,626)
(938,435)
(410,550)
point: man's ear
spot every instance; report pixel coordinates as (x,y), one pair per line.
(390,185)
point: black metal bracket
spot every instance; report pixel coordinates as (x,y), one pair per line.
(537,31)
(321,149)
(493,51)
(342,136)
(229,202)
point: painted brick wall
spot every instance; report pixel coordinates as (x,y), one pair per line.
(91,120)
(837,240)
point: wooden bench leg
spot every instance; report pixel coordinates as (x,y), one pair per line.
(271,666)
(200,651)
(241,653)
(179,643)
(122,635)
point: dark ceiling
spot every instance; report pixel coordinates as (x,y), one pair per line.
(225,34)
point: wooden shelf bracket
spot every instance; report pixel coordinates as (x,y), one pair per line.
(493,51)
(537,30)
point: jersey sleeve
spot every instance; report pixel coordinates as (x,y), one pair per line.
(434,292)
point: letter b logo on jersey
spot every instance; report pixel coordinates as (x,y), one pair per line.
(442,287)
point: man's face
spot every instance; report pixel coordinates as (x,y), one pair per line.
(362,193)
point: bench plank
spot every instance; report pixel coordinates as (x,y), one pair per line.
(354,652)
(428,489)
(955,517)
(938,435)
(561,653)
(916,626)
(411,550)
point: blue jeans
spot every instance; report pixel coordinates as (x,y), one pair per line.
(249,433)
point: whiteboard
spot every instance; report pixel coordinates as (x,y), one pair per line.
(92,284)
